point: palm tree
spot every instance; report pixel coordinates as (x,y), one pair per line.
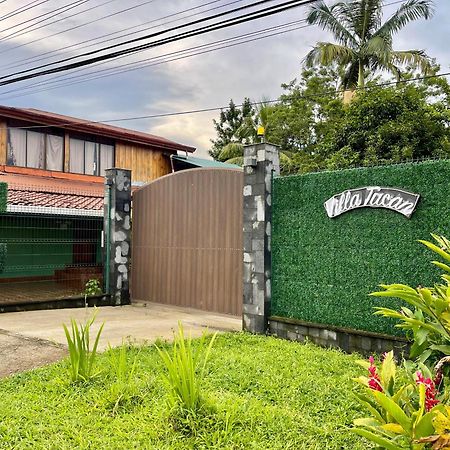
(363,41)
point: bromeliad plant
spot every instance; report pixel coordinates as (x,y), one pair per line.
(402,414)
(429,319)
(82,357)
(185,367)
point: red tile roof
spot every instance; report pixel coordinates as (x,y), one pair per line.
(49,192)
(86,126)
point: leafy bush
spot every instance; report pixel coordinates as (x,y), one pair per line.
(428,322)
(82,358)
(401,413)
(185,370)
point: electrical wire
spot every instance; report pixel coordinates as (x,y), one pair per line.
(54,12)
(23,8)
(114,71)
(333,93)
(37,58)
(196,50)
(265,12)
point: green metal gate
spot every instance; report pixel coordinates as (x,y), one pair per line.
(50,243)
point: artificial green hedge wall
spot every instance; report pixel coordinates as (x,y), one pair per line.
(323,269)
(3,196)
(3,200)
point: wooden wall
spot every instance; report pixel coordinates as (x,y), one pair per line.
(146,164)
(3,141)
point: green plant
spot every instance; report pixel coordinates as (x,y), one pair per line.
(81,356)
(429,320)
(401,413)
(185,367)
(123,369)
(92,287)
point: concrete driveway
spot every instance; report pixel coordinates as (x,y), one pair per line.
(33,338)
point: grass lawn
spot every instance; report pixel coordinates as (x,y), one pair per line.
(263,393)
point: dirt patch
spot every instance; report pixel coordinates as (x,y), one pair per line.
(19,353)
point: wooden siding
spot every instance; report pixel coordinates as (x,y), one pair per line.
(3,142)
(145,163)
(187,240)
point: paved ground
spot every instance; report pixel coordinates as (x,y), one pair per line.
(34,338)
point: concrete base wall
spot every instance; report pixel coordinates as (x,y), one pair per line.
(329,336)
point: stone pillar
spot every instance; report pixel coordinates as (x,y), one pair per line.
(117,234)
(261,163)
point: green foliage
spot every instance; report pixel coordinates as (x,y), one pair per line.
(270,394)
(364,43)
(123,369)
(229,123)
(428,323)
(81,356)
(400,415)
(3,197)
(185,370)
(324,269)
(92,287)
(385,125)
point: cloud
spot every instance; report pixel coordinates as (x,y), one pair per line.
(254,70)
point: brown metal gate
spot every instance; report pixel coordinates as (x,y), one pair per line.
(187,240)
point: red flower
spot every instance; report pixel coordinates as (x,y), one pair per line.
(374,378)
(430,391)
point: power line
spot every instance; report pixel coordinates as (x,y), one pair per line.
(114,70)
(196,50)
(333,92)
(78,26)
(37,57)
(50,14)
(23,8)
(265,12)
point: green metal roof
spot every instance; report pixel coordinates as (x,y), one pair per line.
(200,162)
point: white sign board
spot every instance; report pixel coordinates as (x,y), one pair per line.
(397,200)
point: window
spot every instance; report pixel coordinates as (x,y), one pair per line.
(90,158)
(34,149)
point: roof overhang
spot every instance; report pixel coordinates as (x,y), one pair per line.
(91,127)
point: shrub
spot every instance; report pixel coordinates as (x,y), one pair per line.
(428,323)
(185,370)
(401,413)
(82,358)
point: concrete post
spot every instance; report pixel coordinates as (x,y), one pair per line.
(261,162)
(117,234)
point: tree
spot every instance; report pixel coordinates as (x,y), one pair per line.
(230,121)
(364,44)
(389,125)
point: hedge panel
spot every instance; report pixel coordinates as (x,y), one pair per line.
(324,269)
(3,200)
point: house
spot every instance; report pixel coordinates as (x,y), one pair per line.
(54,167)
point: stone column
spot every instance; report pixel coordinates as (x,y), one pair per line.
(261,163)
(117,229)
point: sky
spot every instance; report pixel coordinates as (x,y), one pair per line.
(209,80)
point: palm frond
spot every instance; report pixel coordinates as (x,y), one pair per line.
(350,77)
(414,58)
(327,53)
(379,47)
(238,160)
(408,12)
(231,150)
(327,19)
